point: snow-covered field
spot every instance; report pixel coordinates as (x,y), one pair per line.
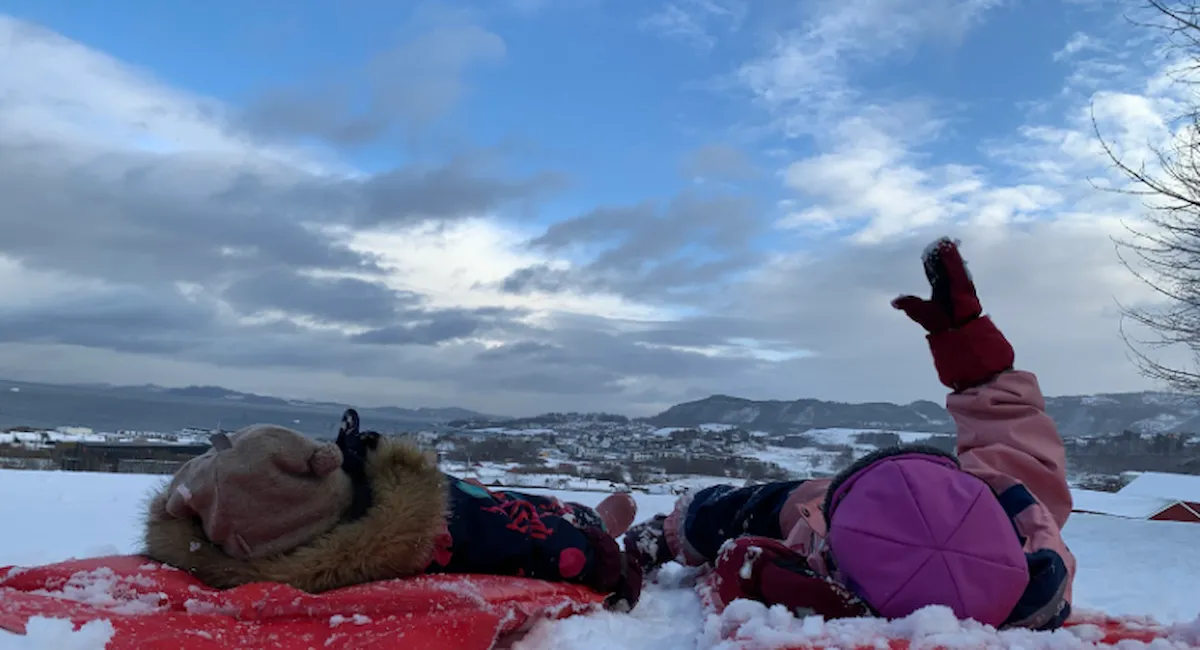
(1125,567)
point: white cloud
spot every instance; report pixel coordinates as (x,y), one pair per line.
(869,179)
(1077,43)
(805,77)
(1038,235)
(91,107)
(63,91)
(816,321)
(463,265)
(696,22)
(60,90)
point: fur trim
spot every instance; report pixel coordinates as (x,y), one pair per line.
(394,539)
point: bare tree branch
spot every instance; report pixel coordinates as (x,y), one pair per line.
(1164,252)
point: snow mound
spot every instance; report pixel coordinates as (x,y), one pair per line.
(103,588)
(746,625)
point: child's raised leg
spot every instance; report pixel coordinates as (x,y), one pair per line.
(703,521)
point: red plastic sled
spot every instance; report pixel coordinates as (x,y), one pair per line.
(154,606)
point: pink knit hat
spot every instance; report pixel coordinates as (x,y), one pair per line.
(911,529)
(262,490)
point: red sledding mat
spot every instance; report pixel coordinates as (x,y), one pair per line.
(153,606)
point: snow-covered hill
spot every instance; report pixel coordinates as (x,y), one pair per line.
(1076,415)
(1125,567)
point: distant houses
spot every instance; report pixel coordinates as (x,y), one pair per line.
(1153,496)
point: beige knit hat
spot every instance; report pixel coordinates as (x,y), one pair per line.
(262,490)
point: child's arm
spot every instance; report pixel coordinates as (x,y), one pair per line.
(1005,433)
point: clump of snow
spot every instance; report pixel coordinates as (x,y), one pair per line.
(60,634)
(194,606)
(747,570)
(750,624)
(1188,632)
(103,588)
(357,619)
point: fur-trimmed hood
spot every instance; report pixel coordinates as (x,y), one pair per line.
(394,539)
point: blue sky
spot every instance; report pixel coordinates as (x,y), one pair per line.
(797,156)
(598,92)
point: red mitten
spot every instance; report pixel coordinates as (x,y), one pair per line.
(765,570)
(968,349)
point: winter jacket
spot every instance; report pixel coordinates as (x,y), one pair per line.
(394,539)
(1006,439)
(419,521)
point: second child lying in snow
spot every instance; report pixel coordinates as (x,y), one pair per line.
(268,504)
(906,527)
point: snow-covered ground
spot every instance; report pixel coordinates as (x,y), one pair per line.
(1125,567)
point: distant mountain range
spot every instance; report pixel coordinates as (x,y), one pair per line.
(155,408)
(1076,415)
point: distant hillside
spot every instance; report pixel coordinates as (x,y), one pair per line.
(780,416)
(1076,415)
(156,408)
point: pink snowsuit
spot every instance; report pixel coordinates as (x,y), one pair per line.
(1005,438)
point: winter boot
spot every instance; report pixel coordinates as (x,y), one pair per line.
(617,511)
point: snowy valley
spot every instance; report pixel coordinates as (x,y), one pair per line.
(1130,564)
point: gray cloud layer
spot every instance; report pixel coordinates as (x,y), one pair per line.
(210,267)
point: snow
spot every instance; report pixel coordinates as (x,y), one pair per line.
(843,436)
(713,427)
(1117,504)
(357,619)
(707,427)
(931,627)
(801,461)
(1161,423)
(505,431)
(66,434)
(43,633)
(1176,487)
(1130,567)
(1126,567)
(102,588)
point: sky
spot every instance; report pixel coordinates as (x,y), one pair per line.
(521,206)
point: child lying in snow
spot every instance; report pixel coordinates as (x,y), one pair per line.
(268,504)
(907,527)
